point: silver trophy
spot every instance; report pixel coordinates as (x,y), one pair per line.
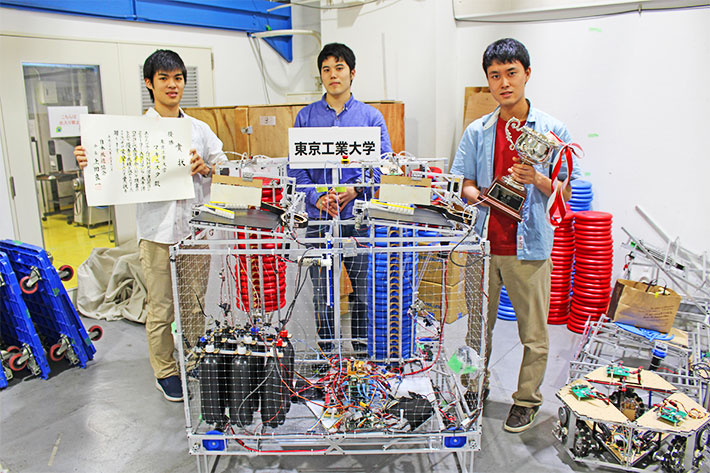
(533,148)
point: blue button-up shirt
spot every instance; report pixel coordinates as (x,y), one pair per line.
(474,160)
(320,114)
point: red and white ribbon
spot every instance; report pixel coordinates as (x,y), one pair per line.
(556,208)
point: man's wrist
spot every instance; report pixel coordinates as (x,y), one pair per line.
(541,181)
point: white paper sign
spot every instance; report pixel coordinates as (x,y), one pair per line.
(136,159)
(404,190)
(316,147)
(235,192)
(64,121)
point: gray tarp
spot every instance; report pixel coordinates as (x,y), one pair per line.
(111,284)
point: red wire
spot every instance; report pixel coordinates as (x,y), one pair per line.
(240,442)
(442,322)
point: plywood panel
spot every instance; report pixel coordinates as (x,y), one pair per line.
(241,120)
(394,117)
(270,126)
(270,123)
(696,418)
(644,379)
(297,108)
(593,408)
(226,123)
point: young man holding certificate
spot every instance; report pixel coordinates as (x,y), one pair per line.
(162,224)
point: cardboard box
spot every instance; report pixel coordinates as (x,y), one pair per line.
(432,268)
(478,101)
(430,293)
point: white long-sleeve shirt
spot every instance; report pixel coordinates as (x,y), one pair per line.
(167,221)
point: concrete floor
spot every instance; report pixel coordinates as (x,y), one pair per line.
(110,418)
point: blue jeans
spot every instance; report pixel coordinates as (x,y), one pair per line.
(322,279)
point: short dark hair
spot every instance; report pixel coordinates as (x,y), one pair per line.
(340,52)
(505,51)
(162,60)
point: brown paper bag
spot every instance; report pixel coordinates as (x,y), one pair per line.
(643,305)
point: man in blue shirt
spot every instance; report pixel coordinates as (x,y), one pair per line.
(338,107)
(520,252)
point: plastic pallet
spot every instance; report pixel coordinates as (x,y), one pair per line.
(16,327)
(3,380)
(51,309)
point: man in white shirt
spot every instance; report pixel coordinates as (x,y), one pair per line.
(162,224)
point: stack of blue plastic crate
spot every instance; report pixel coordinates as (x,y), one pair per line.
(17,331)
(36,313)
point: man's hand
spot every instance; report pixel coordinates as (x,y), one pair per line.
(471,192)
(344,197)
(523,173)
(328,203)
(197,165)
(334,202)
(80,155)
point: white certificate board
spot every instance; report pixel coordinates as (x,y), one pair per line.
(64,121)
(326,147)
(136,159)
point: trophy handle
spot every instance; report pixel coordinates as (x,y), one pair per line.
(516,125)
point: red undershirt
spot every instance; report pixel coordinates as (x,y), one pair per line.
(503,229)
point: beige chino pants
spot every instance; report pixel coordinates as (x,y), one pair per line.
(193,273)
(528,287)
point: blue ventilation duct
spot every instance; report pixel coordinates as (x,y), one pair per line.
(250,16)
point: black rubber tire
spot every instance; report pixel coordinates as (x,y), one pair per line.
(582,440)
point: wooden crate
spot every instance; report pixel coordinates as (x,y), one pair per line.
(270,124)
(226,123)
(263,129)
(394,118)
